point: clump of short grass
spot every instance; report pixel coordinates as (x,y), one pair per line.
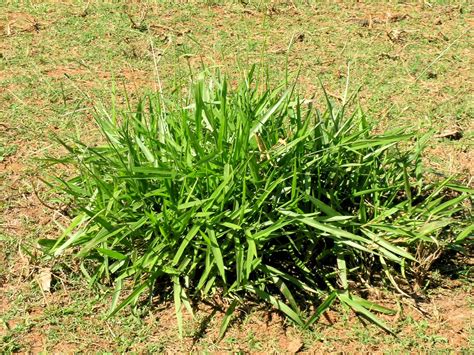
(252,192)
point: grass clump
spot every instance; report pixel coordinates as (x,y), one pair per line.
(252,192)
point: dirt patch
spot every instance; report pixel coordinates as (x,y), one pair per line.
(17,22)
(455,318)
(448,161)
(133,80)
(62,71)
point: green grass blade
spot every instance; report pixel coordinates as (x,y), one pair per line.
(360,309)
(227,318)
(277,304)
(323,307)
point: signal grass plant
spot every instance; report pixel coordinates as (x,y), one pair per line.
(252,192)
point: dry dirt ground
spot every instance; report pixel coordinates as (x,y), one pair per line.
(413,62)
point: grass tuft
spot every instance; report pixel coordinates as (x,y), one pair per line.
(253,192)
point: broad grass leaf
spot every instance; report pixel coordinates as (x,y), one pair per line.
(359,308)
(323,307)
(227,318)
(277,304)
(468,232)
